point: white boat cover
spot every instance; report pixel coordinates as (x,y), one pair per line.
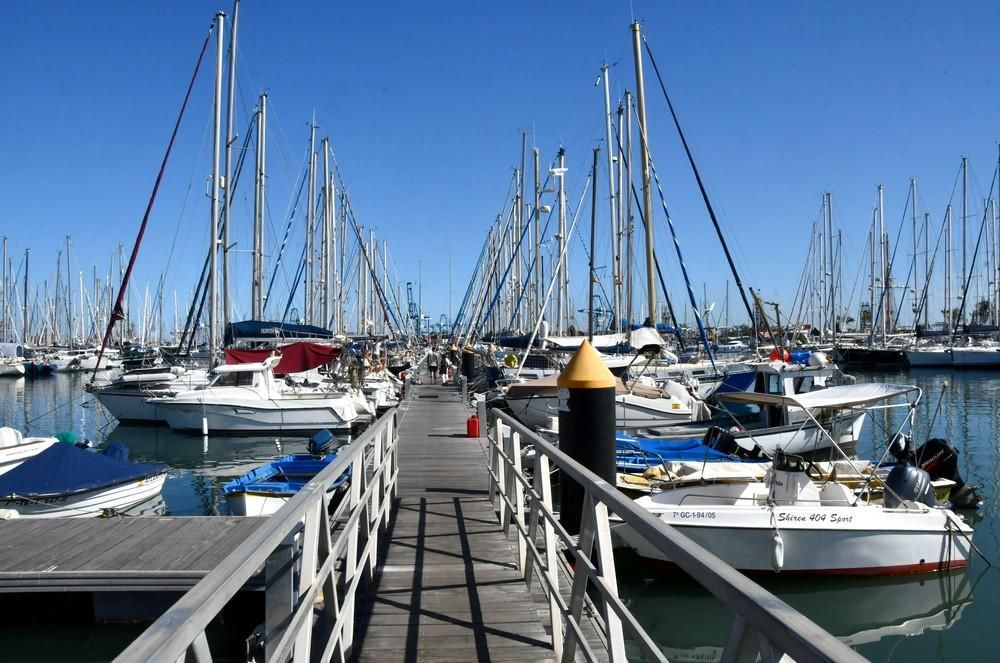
(843,396)
(600,340)
(645,336)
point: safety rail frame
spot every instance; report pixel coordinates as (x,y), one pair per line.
(763,624)
(306,551)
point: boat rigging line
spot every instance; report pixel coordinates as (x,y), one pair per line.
(117,313)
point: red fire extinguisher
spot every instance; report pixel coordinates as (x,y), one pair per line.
(472,426)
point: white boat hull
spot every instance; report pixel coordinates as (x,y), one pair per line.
(630,412)
(929,357)
(90,503)
(11,457)
(133,406)
(862,540)
(975,357)
(256,417)
(254,504)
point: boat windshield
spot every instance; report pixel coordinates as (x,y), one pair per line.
(234,379)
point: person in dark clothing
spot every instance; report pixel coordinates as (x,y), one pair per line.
(433,362)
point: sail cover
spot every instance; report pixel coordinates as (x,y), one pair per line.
(295,357)
(260,330)
(65,469)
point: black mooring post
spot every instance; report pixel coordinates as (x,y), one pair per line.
(586,427)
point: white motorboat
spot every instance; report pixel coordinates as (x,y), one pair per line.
(15,448)
(246,398)
(65,481)
(787,522)
(83,359)
(638,405)
(126,397)
(929,355)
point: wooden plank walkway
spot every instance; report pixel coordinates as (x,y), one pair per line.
(449,588)
(115,554)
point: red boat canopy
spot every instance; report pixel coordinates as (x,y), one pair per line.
(295,357)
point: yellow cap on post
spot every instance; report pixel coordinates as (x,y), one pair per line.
(586,371)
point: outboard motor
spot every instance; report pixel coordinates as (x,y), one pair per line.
(320,443)
(940,460)
(722,440)
(907,483)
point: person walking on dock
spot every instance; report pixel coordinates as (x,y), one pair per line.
(433,361)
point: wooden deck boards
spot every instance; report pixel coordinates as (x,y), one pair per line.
(96,554)
(449,588)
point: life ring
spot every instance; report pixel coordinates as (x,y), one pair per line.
(510,361)
(782,356)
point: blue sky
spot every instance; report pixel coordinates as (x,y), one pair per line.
(424,104)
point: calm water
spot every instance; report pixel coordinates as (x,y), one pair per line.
(947,618)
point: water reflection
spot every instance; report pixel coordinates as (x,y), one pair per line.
(692,625)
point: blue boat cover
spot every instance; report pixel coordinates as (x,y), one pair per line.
(64,469)
(666,450)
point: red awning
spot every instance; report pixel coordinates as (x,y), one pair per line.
(295,357)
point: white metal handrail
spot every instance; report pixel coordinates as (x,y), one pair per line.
(763,624)
(312,552)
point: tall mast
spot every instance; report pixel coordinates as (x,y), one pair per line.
(615,256)
(25,328)
(629,275)
(561,304)
(3,297)
(947,271)
(593,225)
(214,230)
(335,275)
(310,225)
(325,253)
(882,264)
(619,214)
(831,269)
(965,224)
(927,265)
(69,294)
(916,247)
(647,196)
(258,216)
(536,273)
(227,188)
(871,291)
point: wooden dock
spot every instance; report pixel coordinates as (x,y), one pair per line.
(449,588)
(115,554)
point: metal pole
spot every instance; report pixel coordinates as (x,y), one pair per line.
(310,225)
(965,216)
(325,253)
(214,229)
(615,257)
(259,200)
(947,273)
(536,282)
(25,328)
(593,226)
(630,277)
(647,197)
(227,182)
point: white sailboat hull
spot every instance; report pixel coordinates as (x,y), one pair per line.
(929,357)
(630,411)
(286,415)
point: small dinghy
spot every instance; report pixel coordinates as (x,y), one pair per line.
(67,481)
(265,489)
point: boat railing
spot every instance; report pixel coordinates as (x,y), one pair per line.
(317,549)
(762,622)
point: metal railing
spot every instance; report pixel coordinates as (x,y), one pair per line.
(313,547)
(764,626)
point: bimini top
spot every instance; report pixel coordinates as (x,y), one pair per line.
(843,396)
(65,469)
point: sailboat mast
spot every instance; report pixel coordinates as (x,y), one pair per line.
(227,181)
(24,328)
(561,303)
(947,271)
(5,294)
(965,224)
(629,275)
(536,274)
(883,271)
(647,197)
(593,227)
(916,238)
(831,269)
(325,252)
(615,249)
(214,221)
(69,294)
(927,264)
(258,216)
(310,225)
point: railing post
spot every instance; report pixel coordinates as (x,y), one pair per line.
(374,516)
(279,594)
(551,559)
(501,473)
(515,450)
(351,559)
(606,567)
(307,573)
(491,441)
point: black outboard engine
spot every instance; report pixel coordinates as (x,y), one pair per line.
(940,460)
(720,439)
(907,483)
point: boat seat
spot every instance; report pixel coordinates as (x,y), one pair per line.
(833,493)
(9,437)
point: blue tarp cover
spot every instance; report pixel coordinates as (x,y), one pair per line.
(668,450)
(64,469)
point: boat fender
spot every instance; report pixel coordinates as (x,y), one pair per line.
(510,361)
(777,552)
(9,514)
